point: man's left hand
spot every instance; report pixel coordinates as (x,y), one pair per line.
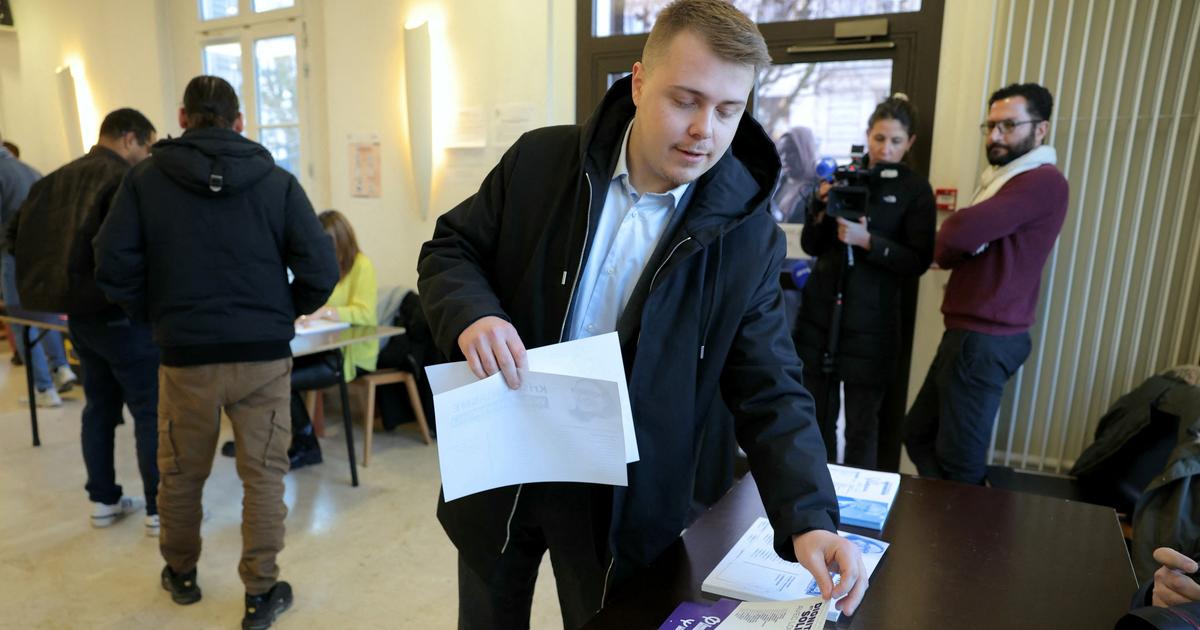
(852,233)
(821,552)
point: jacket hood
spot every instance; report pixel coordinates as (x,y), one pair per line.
(213,162)
(739,184)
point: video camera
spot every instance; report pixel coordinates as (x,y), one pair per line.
(848,197)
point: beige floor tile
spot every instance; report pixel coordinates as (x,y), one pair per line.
(366,557)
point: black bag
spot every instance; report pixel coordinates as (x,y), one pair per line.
(410,352)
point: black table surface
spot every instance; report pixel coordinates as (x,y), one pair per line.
(961,556)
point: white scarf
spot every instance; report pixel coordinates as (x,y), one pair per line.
(995,177)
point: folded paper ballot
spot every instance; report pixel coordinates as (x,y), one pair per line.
(802,614)
(596,357)
(864,496)
(553,428)
(752,571)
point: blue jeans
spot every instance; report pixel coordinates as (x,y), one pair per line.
(119,364)
(51,345)
(949,427)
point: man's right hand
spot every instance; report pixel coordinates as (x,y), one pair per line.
(1172,585)
(492,345)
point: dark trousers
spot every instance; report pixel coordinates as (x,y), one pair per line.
(949,427)
(119,364)
(862,417)
(571,521)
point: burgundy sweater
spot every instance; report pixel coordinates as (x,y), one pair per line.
(996,291)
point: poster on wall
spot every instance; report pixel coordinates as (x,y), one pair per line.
(6,16)
(365,167)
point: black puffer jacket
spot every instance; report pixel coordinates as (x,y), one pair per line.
(51,236)
(199,241)
(705,318)
(902,217)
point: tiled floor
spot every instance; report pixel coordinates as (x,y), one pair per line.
(366,557)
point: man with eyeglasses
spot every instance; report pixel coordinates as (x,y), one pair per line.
(996,249)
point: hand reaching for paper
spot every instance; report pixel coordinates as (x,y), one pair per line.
(821,552)
(491,345)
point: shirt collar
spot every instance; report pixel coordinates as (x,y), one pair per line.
(622,172)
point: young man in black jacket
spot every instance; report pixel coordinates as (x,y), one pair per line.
(651,220)
(198,242)
(51,239)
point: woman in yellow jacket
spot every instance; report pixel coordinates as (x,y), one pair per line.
(353,301)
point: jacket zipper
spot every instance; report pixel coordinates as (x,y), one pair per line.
(587,228)
(655,276)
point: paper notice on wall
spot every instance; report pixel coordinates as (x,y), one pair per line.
(365,176)
(468,129)
(510,120)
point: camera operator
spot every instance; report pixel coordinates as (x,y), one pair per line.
(848,330)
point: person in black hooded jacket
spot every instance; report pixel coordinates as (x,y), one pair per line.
(651,220)
(893,241)
(199,242)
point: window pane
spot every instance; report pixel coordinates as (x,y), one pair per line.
(633,17)
(225,61)
(216,9)
(815,110)
(275,77)
(271,5)
(284,145)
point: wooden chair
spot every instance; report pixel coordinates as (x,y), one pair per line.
(388,377)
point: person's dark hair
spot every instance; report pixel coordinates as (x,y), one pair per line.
(345,244)
(210,101)
(1038,100)
(13,149)
(896,107)
(127,120)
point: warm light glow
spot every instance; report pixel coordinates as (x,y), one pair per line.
(442,85)
(89,119)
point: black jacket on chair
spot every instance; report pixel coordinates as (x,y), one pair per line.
(199,241)
(705,319)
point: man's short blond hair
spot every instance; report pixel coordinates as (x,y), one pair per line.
(731,35)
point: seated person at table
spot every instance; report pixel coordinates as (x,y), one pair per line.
(353,301)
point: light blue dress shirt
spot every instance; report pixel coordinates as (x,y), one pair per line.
(631,225)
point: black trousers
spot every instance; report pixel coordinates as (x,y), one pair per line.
(862,417)
(949,427)
(571,521)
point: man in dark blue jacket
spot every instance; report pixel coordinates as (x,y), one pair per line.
(651,220)
(198,242)
(51,239)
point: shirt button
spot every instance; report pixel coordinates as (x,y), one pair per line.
(612,270)
(634,214)
(591,328)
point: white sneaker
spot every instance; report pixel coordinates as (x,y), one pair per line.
(48,398)
(152,526)
(104,515)
(64,379)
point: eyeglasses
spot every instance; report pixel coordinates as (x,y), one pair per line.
(1005,126)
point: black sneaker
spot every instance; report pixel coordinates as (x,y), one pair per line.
(302,457)
(228,449)
(261,610)
(183,588)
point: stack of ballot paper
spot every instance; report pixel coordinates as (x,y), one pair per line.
(317,325)
(752,570)
(802,614)
(569,421)
(864,496)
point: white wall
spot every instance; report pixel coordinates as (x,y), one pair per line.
(957,151)
(486,53)
(114,43)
